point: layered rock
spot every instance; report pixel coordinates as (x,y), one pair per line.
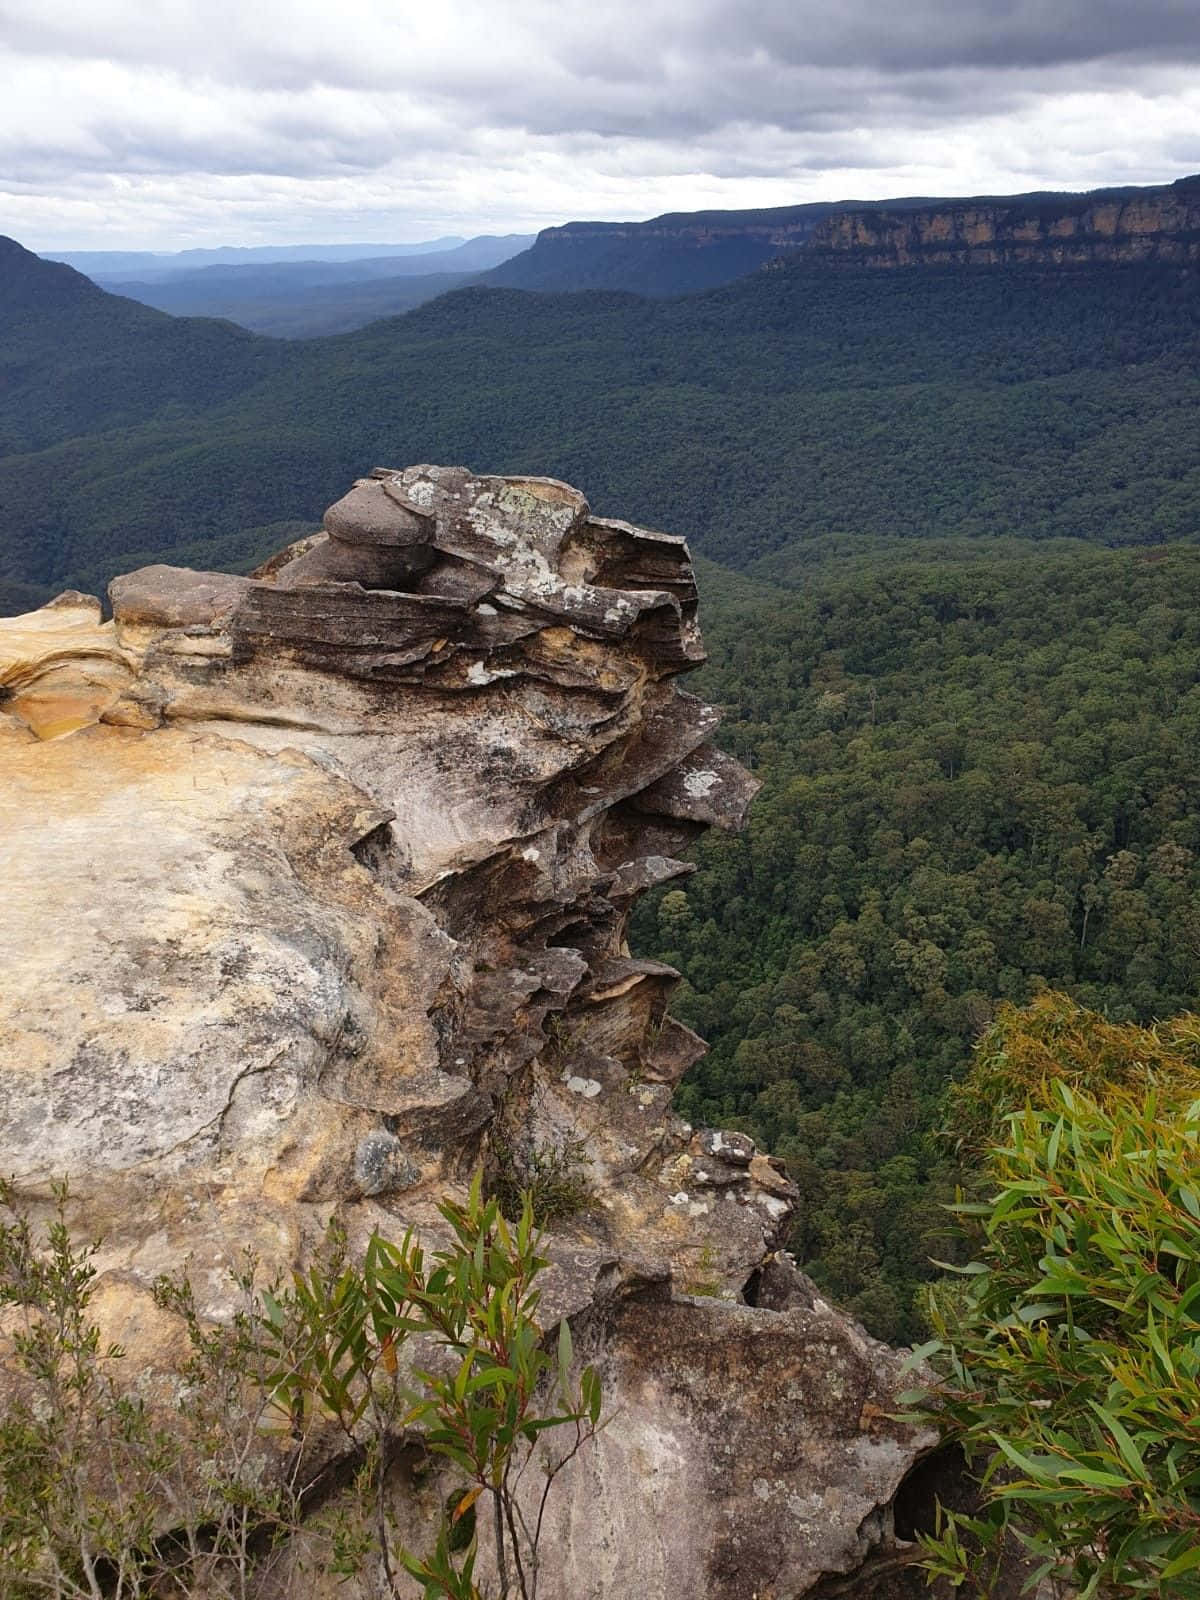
(1149,225)
(668,254)
(317,889)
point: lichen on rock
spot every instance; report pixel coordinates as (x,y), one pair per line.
(317,885)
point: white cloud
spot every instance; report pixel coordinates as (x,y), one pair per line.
(203,121)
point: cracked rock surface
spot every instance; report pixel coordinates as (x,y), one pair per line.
(316,889)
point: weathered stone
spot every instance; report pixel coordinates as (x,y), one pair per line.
(317,886)
(175,597)
(705,786)
(328,560)
(368,515)
(60,667)
(635,877)
(748,1452)
(735,1148)
(380,1164)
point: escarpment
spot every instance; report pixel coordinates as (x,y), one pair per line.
(316,892)
(1148,225)
(685,252)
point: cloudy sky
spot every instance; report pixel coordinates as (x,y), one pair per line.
(166,123)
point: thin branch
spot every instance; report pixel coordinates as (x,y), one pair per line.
(516,1544)
(501,1558)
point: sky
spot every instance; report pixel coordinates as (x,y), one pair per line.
(164,124)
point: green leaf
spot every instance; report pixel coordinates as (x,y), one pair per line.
(922,1353)
(1039,1311)
(1187,1562)
(1129,1451)
(565,1353)
(1052,1147)
(1094,1476)
(1026,1464)
(592,1394)
(490,1378)
(1159,1348)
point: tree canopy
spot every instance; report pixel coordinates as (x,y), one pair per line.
(978,773)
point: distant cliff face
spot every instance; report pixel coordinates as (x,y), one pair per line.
(316,891)
(688,251)
(672,254)
(1155,225)
(783,230)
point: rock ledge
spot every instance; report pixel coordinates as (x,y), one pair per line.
(317,888)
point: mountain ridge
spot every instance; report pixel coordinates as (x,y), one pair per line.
(790,408)
(682,252)
(310,298)
(74,358)
(227,255)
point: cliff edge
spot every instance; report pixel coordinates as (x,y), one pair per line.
(317,885)
(1148,225)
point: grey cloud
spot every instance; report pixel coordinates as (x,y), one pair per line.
(479,105)
(627,42)
(657,45)
(984,33)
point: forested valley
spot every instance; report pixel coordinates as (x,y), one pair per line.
(979,782)
(794,411)
(961,645)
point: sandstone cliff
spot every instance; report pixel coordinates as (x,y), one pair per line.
(1150,225)
(689,251)
(316,887)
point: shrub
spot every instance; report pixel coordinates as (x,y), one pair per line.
(89,1481)
(1071,1356)
(96,1496)
(1054,1040)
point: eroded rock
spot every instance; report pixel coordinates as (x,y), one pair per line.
(749,1452)
(317,886)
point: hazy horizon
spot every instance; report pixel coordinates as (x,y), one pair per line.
(449,241)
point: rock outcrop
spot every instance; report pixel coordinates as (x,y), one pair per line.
(1147,225)
(316,888)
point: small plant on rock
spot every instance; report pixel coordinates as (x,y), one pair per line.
(492,1413)
(553,1175)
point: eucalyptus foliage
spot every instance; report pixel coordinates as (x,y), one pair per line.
(483,1405)
(101,1497)
(1072,1355)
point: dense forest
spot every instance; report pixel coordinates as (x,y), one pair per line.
(787,410)
(979,767)
(962,646)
